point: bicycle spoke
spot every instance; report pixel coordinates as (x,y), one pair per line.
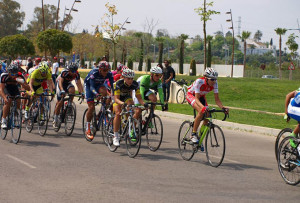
(16,126)
(186,148)
(154,133)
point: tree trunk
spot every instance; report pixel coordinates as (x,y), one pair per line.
(141,58)
(209,54)
(204,32)
(181,56)
(280,73)
(245,52)
(160,52)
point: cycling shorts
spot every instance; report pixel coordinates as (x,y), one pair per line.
(191,99)
(125,99)
(66,88)
(294,112)
(12,90)
(146,94)
(89,95)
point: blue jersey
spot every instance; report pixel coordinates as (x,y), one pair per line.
(296,100)
(94,80)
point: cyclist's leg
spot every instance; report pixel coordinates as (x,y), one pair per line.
(71,90)
(58,107)
(117,121)
(13,91)
(294,112)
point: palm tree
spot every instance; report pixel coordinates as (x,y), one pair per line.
(244,37)
(280,31)
(209,38)
(182,37)
(160,41)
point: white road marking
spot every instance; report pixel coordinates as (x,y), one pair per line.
(20,161)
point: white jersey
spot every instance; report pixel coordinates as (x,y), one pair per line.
(200,86)
(55,68)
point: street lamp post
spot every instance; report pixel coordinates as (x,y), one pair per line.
(68,15)
(230,20)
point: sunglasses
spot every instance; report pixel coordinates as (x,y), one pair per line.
(14,74)
(157,75)
(212,79)
(105,70)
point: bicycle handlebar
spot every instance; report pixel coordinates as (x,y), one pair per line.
(213,110)
(17,97)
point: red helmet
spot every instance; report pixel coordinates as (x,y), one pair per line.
(38,60)
(103,64)
(54,58)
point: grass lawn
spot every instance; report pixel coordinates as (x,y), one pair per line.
(250,93)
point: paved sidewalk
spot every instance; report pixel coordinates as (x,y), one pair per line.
(224,124)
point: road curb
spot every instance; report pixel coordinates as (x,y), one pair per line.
(225,124)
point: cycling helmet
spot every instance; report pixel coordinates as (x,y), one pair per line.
(13,68)
(128,73)
(120,67)
(72,67)
(38,60)
(156,70)
(43,67)
(210,73)
(17,63)
(124,68)
(103,64)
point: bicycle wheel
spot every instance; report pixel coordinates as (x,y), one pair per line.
(109,133)
(70,119)
(289,161)
(48,105)
(93,127)
(185,145)
(215,146)
(16,126)
(3,132)
(104,122)
(154,133)
(180,96)
(84,122)
(42,119)
(30,121)
(281,135)
(133,144)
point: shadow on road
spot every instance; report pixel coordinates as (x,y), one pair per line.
(38,143)
(239,166)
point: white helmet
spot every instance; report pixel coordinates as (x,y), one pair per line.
(156,70)
(210,73)
(128,73)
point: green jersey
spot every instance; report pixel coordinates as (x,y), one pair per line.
(146,85)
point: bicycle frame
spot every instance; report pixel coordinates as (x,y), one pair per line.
(150,116)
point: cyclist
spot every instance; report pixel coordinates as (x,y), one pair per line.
(64,85)
(1,70)
(10,82)
(122,96)
(292,110)
(94,87)
(147,82)
(35,80)
(196,98)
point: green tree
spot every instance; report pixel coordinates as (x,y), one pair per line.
(209,39)
(193,67)
(244,37)
(54,41)
(280,32)
(11,18)
(130,63)
(182,37)
(257,36)
(293,47)
(160,41)
(205,14)
(16,45)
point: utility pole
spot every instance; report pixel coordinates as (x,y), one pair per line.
(57,14)
(43,15)
(230,20)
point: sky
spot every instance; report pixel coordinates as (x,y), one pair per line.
(179,17)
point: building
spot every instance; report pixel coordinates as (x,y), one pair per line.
(258,48)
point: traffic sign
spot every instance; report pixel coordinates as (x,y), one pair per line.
(292,66)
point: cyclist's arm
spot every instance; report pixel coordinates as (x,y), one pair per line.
(2,86)
(117,99)
(25,86)
(288,98)
(79,85)
(139,97)
(111,82)
(218,101)
(92,86)
(60,84)
(51,84)
(160,93)
(31,81)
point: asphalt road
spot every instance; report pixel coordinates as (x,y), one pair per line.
(56,168)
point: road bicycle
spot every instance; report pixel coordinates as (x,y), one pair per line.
(14,121)
(130,131)
(181,93)
(38,113)
(289,160)
(67,114)
(152,127)
(99,120)
(281,135)
(214,146)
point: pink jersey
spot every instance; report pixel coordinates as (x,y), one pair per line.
(200,86)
